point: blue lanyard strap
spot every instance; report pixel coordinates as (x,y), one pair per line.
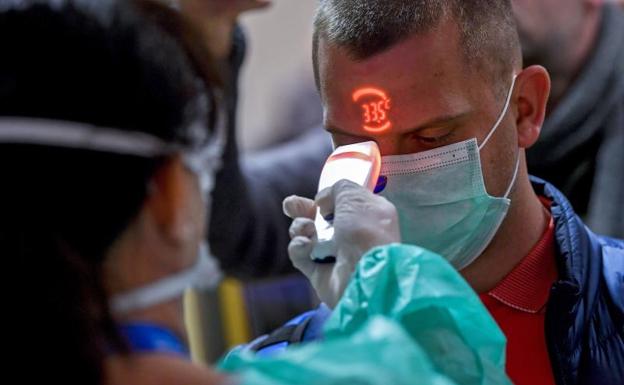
(150,338)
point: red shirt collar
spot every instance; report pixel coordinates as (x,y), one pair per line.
(527,286)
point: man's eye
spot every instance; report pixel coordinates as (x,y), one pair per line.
(428,140)
(432,140)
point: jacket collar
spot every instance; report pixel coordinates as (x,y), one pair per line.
(574,293)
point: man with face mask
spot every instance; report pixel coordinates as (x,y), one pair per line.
(441,88)
(580,43)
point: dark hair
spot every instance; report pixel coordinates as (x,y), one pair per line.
(368,27)
(103,63)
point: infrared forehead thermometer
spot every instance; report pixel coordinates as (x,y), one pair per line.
(360,163)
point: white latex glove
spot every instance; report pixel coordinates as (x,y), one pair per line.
(362,221)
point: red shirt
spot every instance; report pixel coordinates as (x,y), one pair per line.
(518,305)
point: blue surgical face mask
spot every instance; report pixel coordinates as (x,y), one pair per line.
(441,198)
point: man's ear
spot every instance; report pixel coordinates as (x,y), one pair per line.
(168,198)
(532,92)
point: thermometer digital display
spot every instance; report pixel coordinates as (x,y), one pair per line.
(375,105)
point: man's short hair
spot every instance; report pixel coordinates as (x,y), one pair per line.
(368,27)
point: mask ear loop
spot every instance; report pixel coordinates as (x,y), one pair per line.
(205,274)
(502,115)
(514,178)
(493,130)
(208,160)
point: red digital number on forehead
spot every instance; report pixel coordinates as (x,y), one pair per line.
(375,108)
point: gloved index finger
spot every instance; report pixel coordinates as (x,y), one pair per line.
(298,207)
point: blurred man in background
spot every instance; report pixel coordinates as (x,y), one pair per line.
(581,43)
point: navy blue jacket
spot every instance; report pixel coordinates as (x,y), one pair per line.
(585,312)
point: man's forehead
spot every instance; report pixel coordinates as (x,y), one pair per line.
(410,63)
(419,62)
(413,82)
(409,51)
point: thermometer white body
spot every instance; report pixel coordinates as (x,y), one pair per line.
(360,163)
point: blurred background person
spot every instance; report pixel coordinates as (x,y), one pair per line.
(278,99)
(108,146)
(581,43)
(251,226)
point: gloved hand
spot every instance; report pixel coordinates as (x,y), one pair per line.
(362,221)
